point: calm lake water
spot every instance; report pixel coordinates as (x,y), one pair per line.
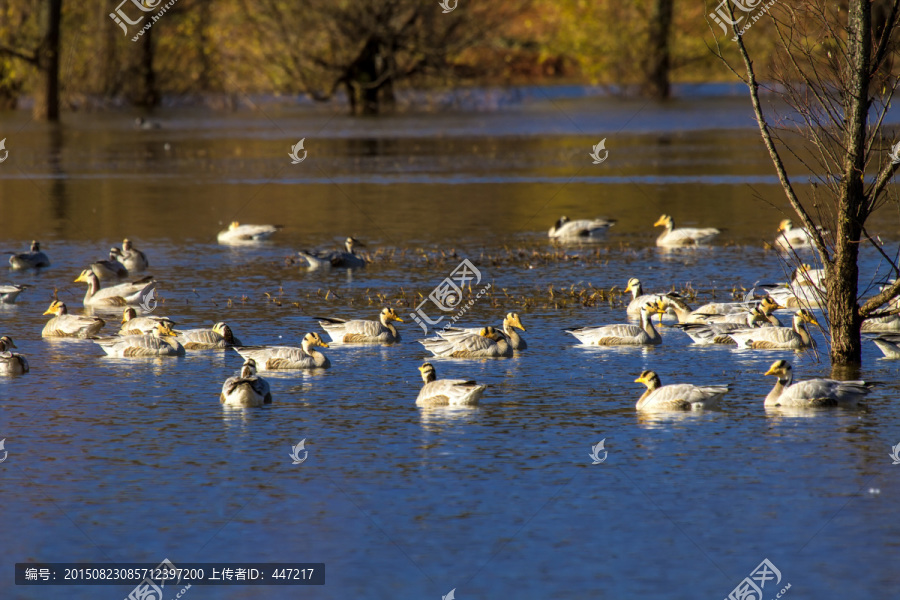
(135,460)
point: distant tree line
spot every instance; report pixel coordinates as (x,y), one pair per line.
(134,52)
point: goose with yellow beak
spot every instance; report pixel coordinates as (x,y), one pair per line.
(683,236)
(487,343)
(238,233)
(11,363)
(813,392)
(511,322)
(65,325)
(135,325)
(273,358)
(678,396)
(638,297)
(160,343)
(447,392)
(792,237)
(247,389)
(795,337)
(359,331)
(217,338)
(622,335)
(115,296)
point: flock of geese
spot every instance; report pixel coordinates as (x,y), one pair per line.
(750,324)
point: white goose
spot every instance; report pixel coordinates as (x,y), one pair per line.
(792,237)
(718,333)
(34,259)
(247,390)
(115,296)
(447,392)
(638,297)
(337,258)
(238,233)
(9,293)
(110,269)
(271,358)
(795,337)
(358,331)
(160,343)
(510,323)
(65,325)
(135,325)
(622,335)
(814,392)
(684,236)
(133,259)
(487,343)
(565,229)
(679,396)
(217,338)
(11,363)
(889,344)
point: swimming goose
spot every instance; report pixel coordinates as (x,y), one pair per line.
(65,325)
(813,392)
(35,259)
(9,293)
(11,363)
(765,308)
(510,323)
(718,333)
(580,229)
(237,232)
(678,396)
(792,237)
(795,337)
(133,259)
(110,269)
(337,259)
(247,390)
(638,297)
(270,358)
(160,343)
(622,335)
(219,337)
(487,343)
(684,236)
(886,324)
(117,295)
(135,325)
(142,123)
(889,344)
(447,392)
(360,331)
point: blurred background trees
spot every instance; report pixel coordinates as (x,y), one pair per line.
(359,52)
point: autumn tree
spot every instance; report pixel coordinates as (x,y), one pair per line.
(42,53)
(364,48)
(833,71)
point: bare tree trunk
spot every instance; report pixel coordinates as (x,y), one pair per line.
(657,63)
(46,97)
(145,92)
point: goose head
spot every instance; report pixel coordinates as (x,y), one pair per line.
(428,373)
(224,330)
(634,286)
(351,243)
(56,308)
(250,366)
(785,225)
(782,370)
(512,319)
(35,246)
(312,339)
(387,315)
(648,378)
(128,314)
(87,276)
(6,343)
(664,221)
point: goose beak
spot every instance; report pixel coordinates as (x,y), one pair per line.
(51,310)
(771,371)
(660,222)
(639,380)
(81,277)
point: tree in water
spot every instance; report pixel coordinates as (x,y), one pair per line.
(839,89)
